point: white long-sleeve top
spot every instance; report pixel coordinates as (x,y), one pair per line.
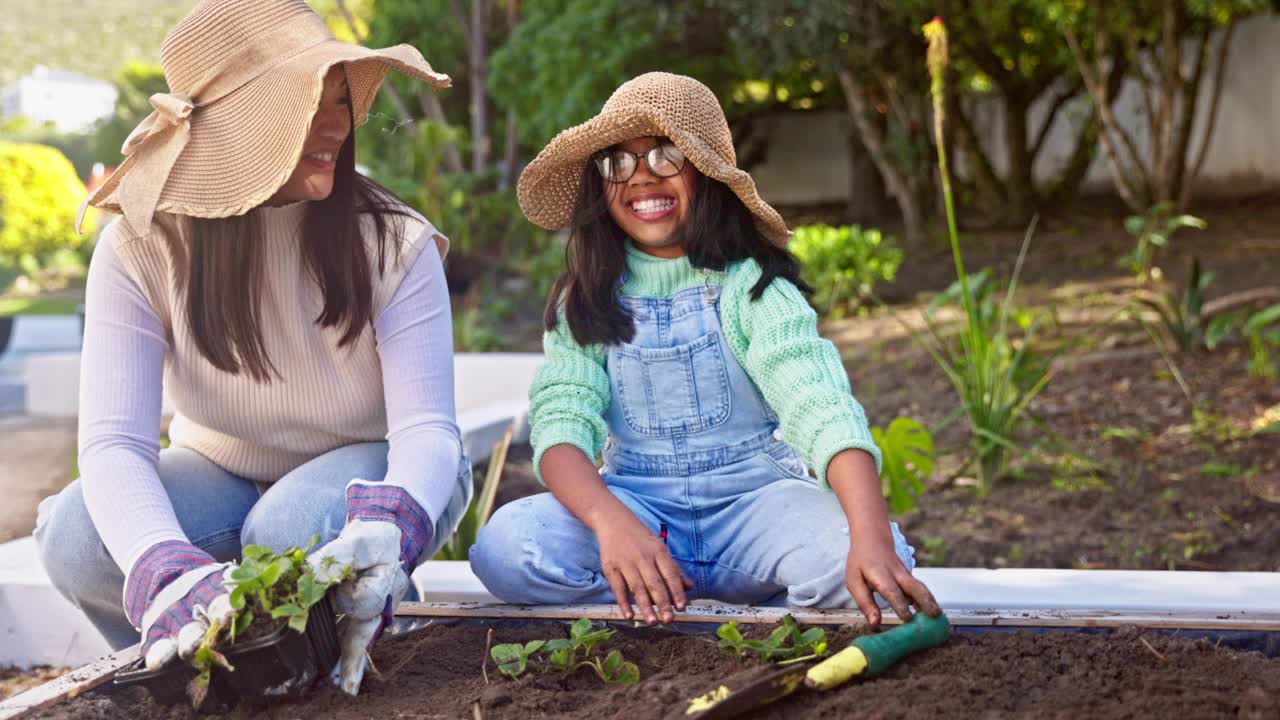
(394,382)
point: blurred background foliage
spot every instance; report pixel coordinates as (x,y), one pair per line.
(525,69)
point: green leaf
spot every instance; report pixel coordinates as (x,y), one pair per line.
(1219,329)
(628,674)
(580,627)
(255,552)
(505,652)
(290,610)
(730,635)
(237,598)
(907,459)
(1261,319)
(533,646)
(245,573)
(612,663)
(1134,224)
(272,572)
(559,659)
(1185,221)
(298,623)
(557,644)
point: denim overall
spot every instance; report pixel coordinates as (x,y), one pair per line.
(693,447)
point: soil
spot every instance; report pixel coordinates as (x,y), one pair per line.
(436,673)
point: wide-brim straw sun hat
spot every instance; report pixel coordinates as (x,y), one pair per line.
(653,104)
(245,79)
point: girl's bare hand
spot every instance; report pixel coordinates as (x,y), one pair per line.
(637,564)
(874,567)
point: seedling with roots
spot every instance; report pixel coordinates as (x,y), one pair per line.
(567,655)
(266,586)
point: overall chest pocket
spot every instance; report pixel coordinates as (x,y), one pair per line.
(668,390)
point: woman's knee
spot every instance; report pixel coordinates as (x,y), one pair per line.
(69,546)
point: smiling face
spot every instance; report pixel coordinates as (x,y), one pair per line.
(649,208)
(312,179)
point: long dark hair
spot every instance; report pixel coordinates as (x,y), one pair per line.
(719,230)
(222,269)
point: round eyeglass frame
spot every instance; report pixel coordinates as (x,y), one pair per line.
(650,159)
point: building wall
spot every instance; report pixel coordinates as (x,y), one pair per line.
(72,103)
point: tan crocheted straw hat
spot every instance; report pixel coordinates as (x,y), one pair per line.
(658,104)
(245,78)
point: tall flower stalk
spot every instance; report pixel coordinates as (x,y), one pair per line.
(995,376)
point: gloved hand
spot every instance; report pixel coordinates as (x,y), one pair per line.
(386,530)
(175,591)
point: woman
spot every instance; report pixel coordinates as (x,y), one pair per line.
(298,315)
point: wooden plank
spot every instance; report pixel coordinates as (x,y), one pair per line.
(1011,617)
(76,682)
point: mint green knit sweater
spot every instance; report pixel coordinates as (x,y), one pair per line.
(775,339)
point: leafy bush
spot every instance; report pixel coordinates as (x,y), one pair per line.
(843,264)
(77,146)
(40,195)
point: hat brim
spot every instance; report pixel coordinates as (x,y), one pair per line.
(245,146)
(548,187)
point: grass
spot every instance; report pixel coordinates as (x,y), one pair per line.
(37,306)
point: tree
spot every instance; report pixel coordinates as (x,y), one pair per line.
(1150,37)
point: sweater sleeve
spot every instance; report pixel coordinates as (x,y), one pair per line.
(569,396)
(122,369)
(415,346)
(799,373)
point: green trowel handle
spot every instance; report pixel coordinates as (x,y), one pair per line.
(920,633)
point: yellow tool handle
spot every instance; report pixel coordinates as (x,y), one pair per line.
(873,654)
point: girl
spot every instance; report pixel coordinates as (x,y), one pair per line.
(679,342)
(298,315)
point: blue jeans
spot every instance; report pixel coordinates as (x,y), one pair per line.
(754,533)
(218,511)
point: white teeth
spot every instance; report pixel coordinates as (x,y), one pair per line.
(652,206)
(322,157)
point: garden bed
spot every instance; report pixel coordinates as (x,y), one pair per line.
(436,673)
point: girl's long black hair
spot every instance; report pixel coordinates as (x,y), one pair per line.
(719,230)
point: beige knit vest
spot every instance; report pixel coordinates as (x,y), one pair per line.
(325,398)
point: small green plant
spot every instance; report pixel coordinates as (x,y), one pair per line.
(1182,321)
(995,373)
(567,655)
(844,264)
(459,545)
(785,645)
(1228,470)
(1260,331)
(1128,434)
(907,453)
(1151,232)
(265,586)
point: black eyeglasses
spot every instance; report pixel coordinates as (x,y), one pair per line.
(617,165)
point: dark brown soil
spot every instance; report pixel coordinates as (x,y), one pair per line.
(1127,674)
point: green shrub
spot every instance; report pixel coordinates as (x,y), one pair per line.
(39,197)
(843,264)
(77,146)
